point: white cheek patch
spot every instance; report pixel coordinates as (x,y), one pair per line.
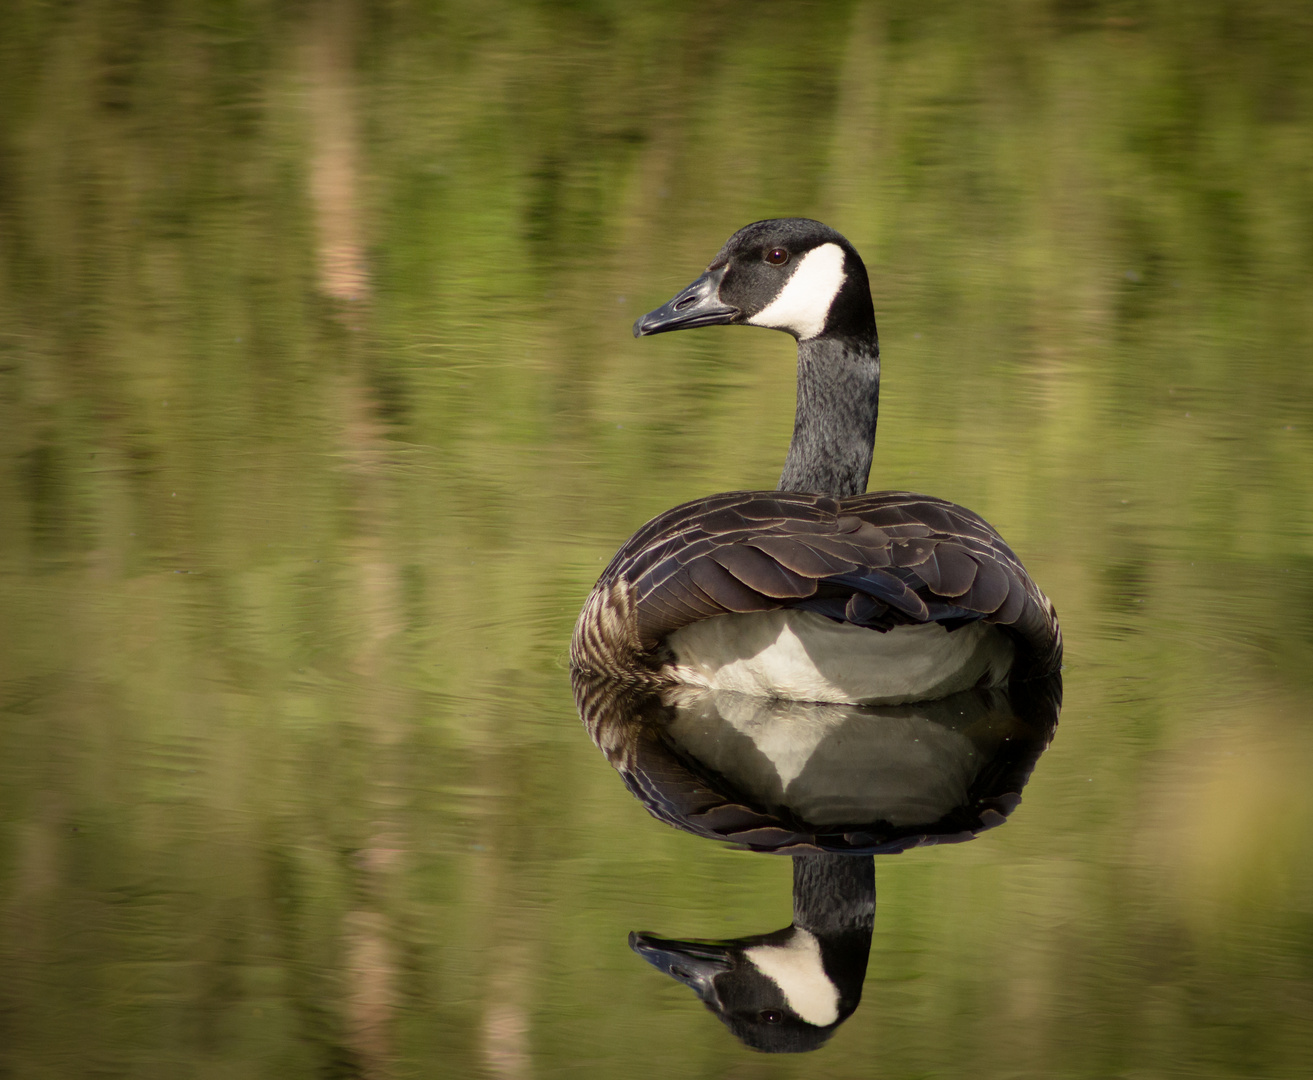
(805,300)
(797,970)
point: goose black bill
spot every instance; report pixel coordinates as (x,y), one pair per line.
(697,305)
(696,964)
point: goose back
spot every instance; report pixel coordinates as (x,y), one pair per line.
(878,561)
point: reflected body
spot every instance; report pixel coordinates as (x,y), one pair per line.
(814,592)
(791,777)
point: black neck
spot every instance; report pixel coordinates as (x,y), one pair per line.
(834,427)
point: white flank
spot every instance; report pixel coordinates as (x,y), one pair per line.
(797,970)
(802,656)
(805,300)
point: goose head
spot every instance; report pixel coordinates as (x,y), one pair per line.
(784,992)
(790,274)
(788,991)
(802,277)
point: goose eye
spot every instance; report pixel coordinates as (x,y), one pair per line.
(777,256)
(771,1016)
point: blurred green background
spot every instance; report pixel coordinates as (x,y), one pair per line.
(319,414)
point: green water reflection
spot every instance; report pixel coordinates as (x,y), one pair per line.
(319,415)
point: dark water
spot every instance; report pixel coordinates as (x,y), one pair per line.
(319,414)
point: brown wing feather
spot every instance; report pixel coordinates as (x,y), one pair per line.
(759,572)
(802,558)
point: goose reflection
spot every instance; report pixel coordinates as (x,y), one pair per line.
(830,785)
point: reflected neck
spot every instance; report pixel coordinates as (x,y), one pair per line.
(834,899)
(834,426)
(834,894)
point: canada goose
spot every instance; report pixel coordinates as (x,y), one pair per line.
(816,591)
(788,991)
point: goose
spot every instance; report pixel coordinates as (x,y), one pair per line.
(788,991)
(815,591)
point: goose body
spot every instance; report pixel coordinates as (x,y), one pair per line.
(815,591)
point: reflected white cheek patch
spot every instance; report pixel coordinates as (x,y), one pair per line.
(796,969)
(805,300)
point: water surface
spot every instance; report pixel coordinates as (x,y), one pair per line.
(319,415)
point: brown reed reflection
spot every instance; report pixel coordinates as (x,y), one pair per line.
(371,997)
(332,32)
